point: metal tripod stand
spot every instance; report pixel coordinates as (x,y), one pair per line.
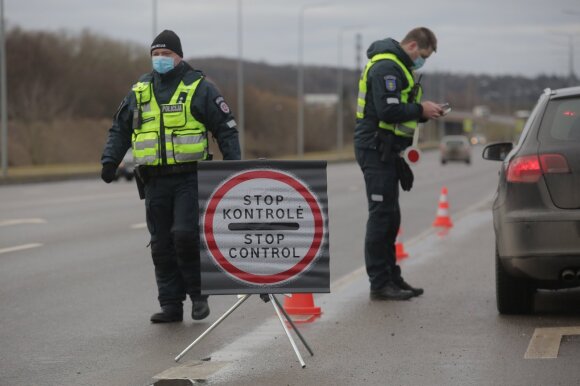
(279,312)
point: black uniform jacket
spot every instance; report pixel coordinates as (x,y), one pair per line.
(207,106)
(385,81)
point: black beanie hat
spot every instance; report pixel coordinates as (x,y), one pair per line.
(168,39)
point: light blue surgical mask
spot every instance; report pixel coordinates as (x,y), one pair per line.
(418,63)
(162,64)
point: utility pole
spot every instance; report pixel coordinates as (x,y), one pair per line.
(573,12)
(240,81)
(443,99)
(300,86)
(154,27)
(358,48)
(340,91)
(3,93)
(571,74)
(571,60)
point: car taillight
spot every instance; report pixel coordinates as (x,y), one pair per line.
(554,163)
(529,168)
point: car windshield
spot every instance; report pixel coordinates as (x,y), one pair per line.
(561,121)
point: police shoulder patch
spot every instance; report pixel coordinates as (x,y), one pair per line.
(223,106)
(391,82)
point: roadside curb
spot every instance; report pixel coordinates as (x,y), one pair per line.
(46,173)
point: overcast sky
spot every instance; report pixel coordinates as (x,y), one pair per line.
(515,37)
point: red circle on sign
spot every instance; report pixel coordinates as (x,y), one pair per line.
(247,276)
(413,156)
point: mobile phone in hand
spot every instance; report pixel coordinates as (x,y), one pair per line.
(446,108)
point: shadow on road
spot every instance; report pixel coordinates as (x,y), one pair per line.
(562,302)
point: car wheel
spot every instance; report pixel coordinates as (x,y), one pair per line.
(468,161)
(443,162)
(514,295)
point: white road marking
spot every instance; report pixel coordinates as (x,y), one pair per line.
(545,342)
(20,248)
(140,225)
(192,370)
(18,221)
(67,200)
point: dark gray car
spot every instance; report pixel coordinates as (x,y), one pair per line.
(536,211)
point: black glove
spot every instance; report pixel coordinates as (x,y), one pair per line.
(405,174)
(108,172)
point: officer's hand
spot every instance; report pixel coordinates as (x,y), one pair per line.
(431,110)
(108,172)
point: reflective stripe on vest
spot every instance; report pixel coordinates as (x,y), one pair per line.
(405,129)
(185,137)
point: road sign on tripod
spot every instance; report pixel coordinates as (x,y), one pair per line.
(264,227)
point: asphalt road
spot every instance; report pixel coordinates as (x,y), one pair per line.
(77,289)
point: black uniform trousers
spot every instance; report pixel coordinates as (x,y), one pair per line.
(382,188)
(172,219)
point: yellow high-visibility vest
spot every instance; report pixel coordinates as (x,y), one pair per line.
(168,134)
(405,129)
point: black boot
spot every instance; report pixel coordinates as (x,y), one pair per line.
(199,308)
(406,286)
(168,315)
(391,292)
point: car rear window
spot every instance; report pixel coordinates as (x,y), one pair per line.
(455,141)
(561,121)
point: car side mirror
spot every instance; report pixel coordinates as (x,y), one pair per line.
(497,151)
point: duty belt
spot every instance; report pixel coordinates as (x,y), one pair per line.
(147,172)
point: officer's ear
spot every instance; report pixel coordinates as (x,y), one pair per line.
(415,47)
(410,48)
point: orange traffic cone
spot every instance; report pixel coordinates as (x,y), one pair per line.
(301,304)
(442,219)
(399,248)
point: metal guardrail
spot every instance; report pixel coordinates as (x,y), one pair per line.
(43,173)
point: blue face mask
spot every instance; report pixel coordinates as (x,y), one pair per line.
(418,63)
(162,64)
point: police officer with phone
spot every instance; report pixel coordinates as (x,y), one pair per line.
(166,119)
(389,109)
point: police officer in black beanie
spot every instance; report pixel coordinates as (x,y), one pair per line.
(166,119)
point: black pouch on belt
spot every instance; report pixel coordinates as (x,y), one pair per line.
(384,142)
(141,180)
